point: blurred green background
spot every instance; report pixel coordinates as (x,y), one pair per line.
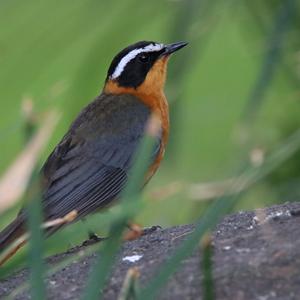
(233,92)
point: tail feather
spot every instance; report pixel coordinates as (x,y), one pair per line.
(12,232)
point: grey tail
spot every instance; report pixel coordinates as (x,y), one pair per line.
(12,232)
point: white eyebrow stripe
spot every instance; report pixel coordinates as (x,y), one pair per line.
(131,55)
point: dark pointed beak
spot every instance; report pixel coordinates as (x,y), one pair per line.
(169,49)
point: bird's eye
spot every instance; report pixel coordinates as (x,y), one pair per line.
(144,58)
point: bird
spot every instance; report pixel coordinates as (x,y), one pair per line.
(90,166)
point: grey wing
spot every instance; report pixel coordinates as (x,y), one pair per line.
(83,184)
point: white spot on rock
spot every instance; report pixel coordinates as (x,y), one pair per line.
(132,258)
(226,248)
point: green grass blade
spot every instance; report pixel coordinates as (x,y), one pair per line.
(281,25)
(207,269)
(36,243)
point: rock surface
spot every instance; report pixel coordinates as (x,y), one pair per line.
(256,256)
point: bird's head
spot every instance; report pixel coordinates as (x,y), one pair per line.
(142,65)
